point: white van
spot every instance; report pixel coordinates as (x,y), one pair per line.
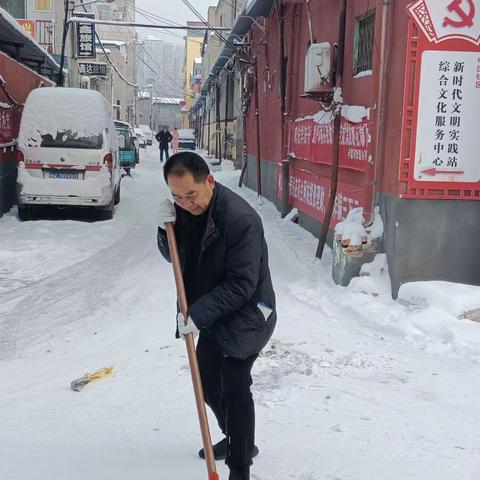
(147,133)
(67,152)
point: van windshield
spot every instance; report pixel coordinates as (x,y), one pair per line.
(67,139)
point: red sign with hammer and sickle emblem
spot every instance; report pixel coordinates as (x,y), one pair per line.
(465,19)
(445,20)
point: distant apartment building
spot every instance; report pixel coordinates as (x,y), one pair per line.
(118,46)
(162,67)
(193,48)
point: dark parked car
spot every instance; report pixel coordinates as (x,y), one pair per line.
(186,139)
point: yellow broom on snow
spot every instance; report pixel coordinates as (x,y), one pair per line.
(79,383)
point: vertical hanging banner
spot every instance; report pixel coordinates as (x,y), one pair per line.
(440,114)
(86,45)
(6,123)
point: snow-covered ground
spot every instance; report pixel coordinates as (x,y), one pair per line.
(353,386)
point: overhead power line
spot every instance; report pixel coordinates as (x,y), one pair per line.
(144,25)
(216,30)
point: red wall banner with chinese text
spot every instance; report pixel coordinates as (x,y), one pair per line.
(310,193)
(313,140)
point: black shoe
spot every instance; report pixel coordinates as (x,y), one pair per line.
(220,450)
(239,474)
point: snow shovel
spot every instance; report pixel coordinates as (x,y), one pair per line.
(192,356)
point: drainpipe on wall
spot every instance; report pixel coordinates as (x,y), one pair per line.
(285,206)
(225,129)
(257,127)
(208,127)
(380,93)
(244,124)
(61,75)
(322,240)
(290,61)
(202,127)
(218,128)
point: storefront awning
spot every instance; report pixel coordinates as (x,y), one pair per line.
(18,44)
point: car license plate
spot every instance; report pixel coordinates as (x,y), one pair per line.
(64,175)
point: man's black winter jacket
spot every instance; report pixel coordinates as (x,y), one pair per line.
(234,276)
(163,138)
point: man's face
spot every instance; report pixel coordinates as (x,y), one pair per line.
(193,197)
(164,129)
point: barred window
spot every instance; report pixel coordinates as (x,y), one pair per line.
(104,12)
(16,8)
(363,42)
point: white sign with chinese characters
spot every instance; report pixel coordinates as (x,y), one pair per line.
(448,138)
(93,69)
(85,36)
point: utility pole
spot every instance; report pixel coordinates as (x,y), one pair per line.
(61,75)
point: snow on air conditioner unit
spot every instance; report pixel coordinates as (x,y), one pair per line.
(317,68)
(117,15)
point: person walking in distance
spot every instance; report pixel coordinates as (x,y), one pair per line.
(224,261)
(175,140)
(164,137)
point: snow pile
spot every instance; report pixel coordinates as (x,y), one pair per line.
(51,110)
(352,230)
(435,322)
(453,298)
(337,95)
(351,113)
(374,278)
(322,117)
(365,73)
(99,184)
(355,113)
(367,371)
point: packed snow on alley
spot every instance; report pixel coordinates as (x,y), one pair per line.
(352,386)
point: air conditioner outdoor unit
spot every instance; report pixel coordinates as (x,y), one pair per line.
(117,15)
(317,68)
(84,82)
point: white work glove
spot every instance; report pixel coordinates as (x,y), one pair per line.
(190,327)
(166,213)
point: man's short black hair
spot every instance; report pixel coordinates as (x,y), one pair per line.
(186,162)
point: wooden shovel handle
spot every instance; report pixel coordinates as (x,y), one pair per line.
(192,356)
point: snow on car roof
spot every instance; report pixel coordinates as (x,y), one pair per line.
(186,134)
(55,109)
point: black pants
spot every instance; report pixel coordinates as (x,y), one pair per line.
(163,148)
(226,386)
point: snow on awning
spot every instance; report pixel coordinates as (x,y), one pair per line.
(18,44)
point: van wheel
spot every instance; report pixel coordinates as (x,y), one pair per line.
(116,198)
(106,213)
(24,213)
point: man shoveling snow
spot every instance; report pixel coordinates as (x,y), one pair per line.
(224,261)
